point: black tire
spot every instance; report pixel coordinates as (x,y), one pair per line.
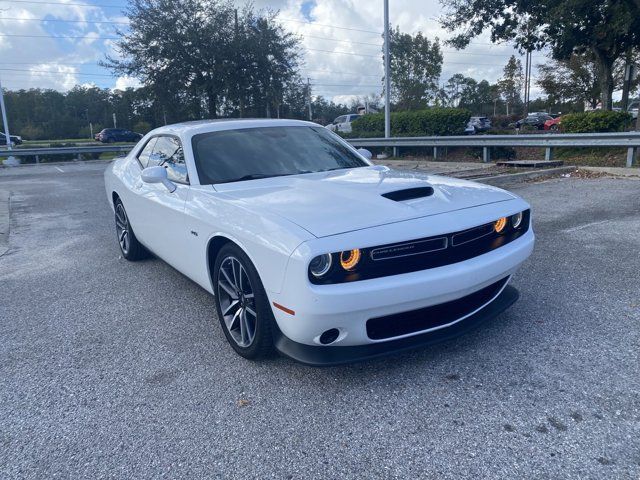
(261,344)
(130,247)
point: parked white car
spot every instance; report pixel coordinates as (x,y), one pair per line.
(311,249)
(343,123)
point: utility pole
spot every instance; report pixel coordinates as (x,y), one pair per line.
(387,74)
(115,124)
(527,82)
(309,98)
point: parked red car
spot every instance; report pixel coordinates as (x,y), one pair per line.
(553,124)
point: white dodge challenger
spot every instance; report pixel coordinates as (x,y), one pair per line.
(311,249)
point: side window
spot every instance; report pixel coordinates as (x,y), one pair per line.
(169,154)
(143,156)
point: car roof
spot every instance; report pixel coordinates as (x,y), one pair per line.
(204,126)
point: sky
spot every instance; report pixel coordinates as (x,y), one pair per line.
(57,43)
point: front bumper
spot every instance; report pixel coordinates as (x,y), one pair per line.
(324,356)
(349,306)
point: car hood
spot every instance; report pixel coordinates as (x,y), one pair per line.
(329,203)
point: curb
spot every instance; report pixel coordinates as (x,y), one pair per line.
(4,221)
(511,178)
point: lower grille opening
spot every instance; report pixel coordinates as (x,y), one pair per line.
(430,317)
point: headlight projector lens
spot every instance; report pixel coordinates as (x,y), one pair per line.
(349,259)
(500,224)
(516,220)
(320,265)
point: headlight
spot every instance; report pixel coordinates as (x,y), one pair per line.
(320,265)
(516,220)
(349,259)
(500,224)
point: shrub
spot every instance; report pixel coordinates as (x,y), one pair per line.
(32,132)
(419,123)
(142,127)
(596,121)
(504,122)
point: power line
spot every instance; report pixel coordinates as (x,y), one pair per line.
(113,22)
(46,63)
(344,73)
(330,26)
(58,20)
(347,41)
(343,53)
(345,85)
(59,36)
(110,22)
(56,72)
(65,4)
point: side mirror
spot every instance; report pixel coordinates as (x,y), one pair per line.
(365,153)
(158,175)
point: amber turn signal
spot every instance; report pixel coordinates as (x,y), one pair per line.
(349,259)
(500,224)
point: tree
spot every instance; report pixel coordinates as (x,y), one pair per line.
(577,79)
(511,83)
(372,100)
(476,96)
(416,64)
(607,29)
(455,86)
(203,59)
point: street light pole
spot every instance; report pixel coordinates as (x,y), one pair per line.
(387,74)
(10,160)
(309,98)
(4,118)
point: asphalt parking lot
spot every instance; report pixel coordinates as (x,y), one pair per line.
(120,370)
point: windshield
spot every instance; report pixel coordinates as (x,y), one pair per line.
(251,153)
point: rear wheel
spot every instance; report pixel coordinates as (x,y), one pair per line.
(131,249)
(241,304)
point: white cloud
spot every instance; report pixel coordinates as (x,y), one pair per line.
(122,83)
(338,66)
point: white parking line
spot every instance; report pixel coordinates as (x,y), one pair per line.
(586,225)
(59,169)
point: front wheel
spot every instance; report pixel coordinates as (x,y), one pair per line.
(131,249)
(242,304)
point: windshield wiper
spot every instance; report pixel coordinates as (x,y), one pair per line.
(253,176)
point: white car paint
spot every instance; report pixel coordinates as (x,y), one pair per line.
(281,223)
(343,123)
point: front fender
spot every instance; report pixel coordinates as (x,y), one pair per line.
(268,240)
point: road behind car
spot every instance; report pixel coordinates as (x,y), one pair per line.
(113,369)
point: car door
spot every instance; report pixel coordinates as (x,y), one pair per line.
(161,222)
(348,127)
(341,123)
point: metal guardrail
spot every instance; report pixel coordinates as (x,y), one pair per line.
(629,140)
(79,151)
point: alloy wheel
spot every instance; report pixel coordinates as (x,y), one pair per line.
(122,228)
(237,301)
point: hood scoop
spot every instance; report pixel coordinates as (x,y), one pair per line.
(409,194)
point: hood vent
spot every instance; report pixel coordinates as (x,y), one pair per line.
(409,194)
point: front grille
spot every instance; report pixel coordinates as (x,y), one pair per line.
(430,317)
(424,253)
